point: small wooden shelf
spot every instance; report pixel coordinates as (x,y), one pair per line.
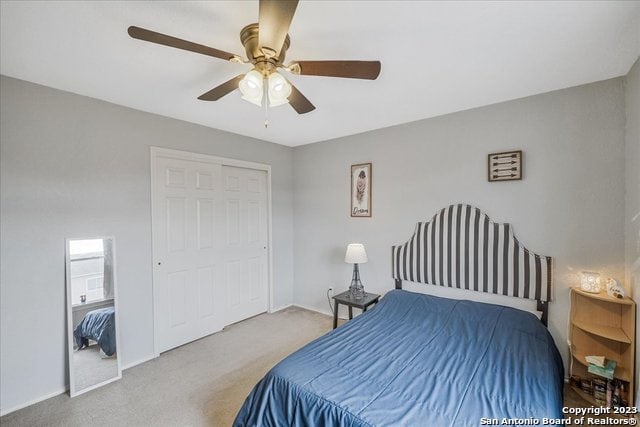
(620,373)
(609,332)
(603,296)
(601,325)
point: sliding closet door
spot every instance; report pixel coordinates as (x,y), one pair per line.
(210,245)
(245,249)
(188,274)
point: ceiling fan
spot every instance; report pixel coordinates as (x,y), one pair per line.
(266,44)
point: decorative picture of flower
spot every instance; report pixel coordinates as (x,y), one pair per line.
(361,190)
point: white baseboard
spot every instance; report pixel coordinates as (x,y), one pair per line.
(4,411)
(327,313)
(275,310)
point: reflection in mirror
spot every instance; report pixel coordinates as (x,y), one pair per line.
(91,313)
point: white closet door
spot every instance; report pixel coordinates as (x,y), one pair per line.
(245,244)
(188,226)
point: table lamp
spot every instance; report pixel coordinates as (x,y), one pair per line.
(356,255)
(590,282)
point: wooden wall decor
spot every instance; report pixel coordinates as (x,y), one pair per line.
(505,166)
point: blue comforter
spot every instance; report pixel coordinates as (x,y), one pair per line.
(100,326)
(416,360)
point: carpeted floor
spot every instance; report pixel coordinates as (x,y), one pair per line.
(199,384)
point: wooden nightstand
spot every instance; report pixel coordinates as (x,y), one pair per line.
(345,299)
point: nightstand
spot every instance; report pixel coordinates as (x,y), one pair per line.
(345,299)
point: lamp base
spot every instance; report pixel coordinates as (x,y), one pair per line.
(356,290)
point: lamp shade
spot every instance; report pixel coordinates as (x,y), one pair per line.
(355,254)
(590,282)
(279,90)
(251,87)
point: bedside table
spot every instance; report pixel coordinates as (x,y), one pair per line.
(345,299)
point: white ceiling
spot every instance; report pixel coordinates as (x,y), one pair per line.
(437,57)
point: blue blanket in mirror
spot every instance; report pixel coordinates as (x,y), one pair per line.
(100,326)
(416,360)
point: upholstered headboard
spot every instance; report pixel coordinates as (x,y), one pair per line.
(462,248)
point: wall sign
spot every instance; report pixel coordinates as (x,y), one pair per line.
(506,166)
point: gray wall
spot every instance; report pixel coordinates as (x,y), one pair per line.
(72,166)
(568,205)
(632,192)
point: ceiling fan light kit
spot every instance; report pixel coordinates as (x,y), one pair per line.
(279,90)
(251,87)
(266,44)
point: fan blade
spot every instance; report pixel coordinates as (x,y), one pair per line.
(299,102)
(368,70)
(222,90)
(163,39)
(273,23)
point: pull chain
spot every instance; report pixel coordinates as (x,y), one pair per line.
(266,104)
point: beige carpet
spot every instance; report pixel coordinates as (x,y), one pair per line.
(199,384)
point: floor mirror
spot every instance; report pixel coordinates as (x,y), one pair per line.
(92,313)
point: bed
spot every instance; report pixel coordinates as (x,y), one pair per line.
(417,359)
(100,326)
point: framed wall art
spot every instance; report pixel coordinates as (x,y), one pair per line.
(505,166)
(361,190)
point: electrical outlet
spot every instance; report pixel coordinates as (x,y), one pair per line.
(331,291)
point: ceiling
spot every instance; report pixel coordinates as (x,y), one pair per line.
(437,57)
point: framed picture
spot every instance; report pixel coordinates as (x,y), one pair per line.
(361,190)
(505,166)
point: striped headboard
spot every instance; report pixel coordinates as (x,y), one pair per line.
(462,248)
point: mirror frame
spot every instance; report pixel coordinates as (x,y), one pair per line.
(72,388)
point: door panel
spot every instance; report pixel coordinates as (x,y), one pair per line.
(246,247)
(206,219)
(204,180)
(253,222)
(176,227)
(207,288)
(255,275)
(175,177)
(234,283)
(233,222)
(177,297)
(187,195)
(232,183)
